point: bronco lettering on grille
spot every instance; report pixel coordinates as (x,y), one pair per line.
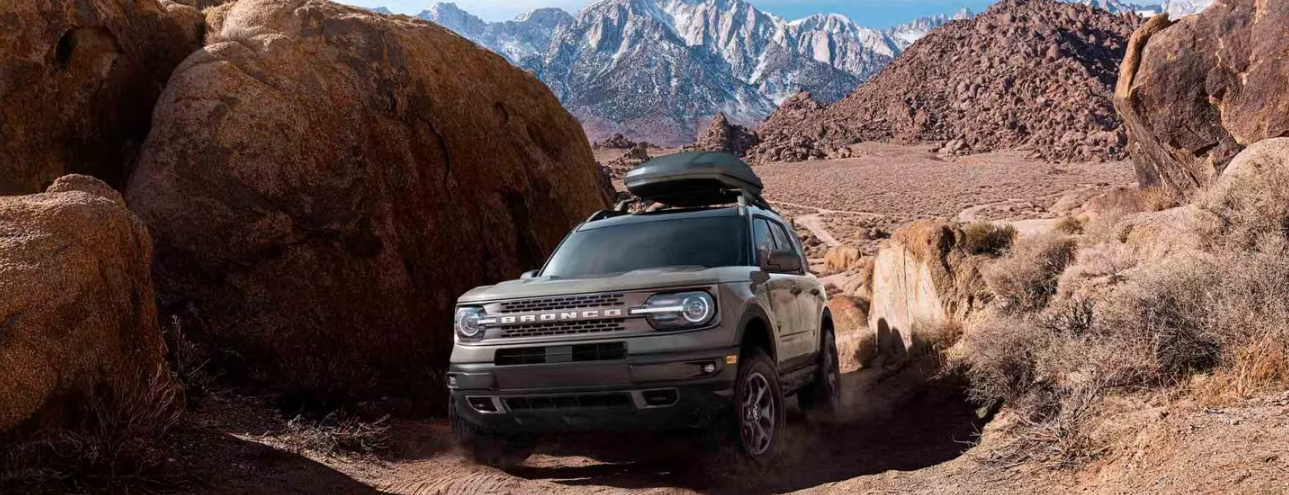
(589,314)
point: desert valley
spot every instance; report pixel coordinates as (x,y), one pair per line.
(232,236)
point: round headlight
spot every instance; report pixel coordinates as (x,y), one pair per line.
(467,323)
(678,311)
(697,309)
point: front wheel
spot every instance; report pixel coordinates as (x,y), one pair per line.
(499,451)
(824,395)
(758,403)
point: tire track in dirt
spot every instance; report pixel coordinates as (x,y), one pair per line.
(459,477)
(814,221)
(1027,227)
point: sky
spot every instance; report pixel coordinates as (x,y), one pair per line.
(870,13)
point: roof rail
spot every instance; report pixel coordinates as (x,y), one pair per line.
(603,214)
(742,196)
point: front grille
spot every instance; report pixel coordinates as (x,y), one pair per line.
(529,355)
(563,328)
(611,351)
(558,303)
(568,402)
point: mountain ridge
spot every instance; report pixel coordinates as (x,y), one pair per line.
(670,65)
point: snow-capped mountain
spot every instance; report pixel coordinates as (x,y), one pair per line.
(524,41)
(1175,8)
(658,68)
(910,32)
(1178,8)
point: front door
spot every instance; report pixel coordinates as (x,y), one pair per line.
(780,294)
(805,326)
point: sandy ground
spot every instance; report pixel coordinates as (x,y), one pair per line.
(888,186)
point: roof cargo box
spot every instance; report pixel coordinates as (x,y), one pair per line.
(694,179)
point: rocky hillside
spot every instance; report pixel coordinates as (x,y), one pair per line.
(658,69)
(1034,74)
(1194,97)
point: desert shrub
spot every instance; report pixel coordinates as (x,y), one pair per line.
(1027,276)
(1096,267)
(335,434)
(190,362)
(1128,201)
(1069,225)
(116,443)
(1114,206)
(1251,213)
(987,238)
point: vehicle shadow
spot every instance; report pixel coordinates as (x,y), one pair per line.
(895,421)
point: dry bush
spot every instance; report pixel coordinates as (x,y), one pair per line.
(1027,276)
(1114,206)
(1060,440)
(190,362)
(1223,313)
(1069,225)
(1250,214)
(987,238)
(335,434)
(1096,268)
(1128,201)
(116,445)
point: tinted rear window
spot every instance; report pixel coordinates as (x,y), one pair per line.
(700,242)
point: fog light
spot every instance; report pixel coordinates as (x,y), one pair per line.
(452,381)
(709,368)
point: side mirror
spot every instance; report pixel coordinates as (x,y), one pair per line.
(782,262)
(528,274)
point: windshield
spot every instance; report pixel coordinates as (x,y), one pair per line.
(704,242)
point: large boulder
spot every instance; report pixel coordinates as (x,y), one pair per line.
(323,182)
(78,80)
(77,313)
(924,281)
(1195,93)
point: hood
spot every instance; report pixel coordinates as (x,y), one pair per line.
(653,278)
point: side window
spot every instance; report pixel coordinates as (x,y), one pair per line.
(763,239)
(783,240)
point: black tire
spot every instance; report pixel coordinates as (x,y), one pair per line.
(759,419)
(503,452)
(824,395)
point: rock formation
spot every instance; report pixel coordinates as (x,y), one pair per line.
(1195,93)
(78,80)
(791,132)
(842,259)
(1033,74)
(323,182)
(923,280)
(77,317)
(615,142)
(724,136)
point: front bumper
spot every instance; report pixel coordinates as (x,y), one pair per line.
(649,391)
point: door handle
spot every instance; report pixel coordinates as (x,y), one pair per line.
(796,291)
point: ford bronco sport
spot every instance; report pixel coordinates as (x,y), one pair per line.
(684,315)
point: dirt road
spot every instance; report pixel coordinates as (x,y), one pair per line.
(894,421)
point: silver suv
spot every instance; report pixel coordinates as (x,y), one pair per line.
(685,316)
